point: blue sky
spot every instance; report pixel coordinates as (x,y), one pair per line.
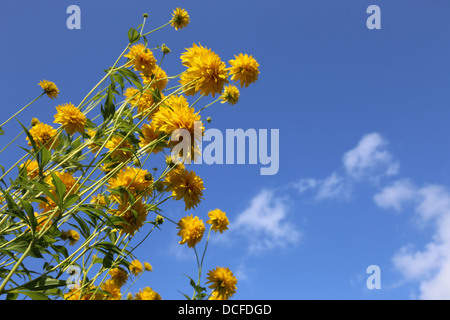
(363,120)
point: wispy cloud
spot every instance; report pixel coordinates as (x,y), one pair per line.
(368,161)
(265,223)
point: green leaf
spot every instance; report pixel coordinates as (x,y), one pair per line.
(35,295)
(32,222)
(60,187)
(133,35)
(41,284)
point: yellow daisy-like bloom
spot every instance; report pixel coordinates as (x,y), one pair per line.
(118,276)
(44,134)
(71,118)
(68,180)
(83,294)
(73,237)
(218,220)
(116,143)
(132,223)
(150,135)
(136,267)
(111,287)
(142,59)
(32,168)
(215,296)
(185,185)
(145,102)
(148,266)
(205,68)
(158,79)
(230,94)
(244,68)
(191,230)
(147,294)
(223,282)
(180,18)
(50,88)
(135,180)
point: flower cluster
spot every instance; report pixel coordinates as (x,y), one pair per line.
(85,187)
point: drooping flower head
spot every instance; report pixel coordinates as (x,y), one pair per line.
(191,230)
(185,185)
(245,69)
(71,118)
(223,282)
(206,71)
(230,94)
(118,276)
(50,88)
(136,267)
(218,220)
(142,59)
(180,18)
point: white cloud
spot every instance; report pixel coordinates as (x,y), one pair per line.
(265,223)
(370,159)
(396,195)
(430,266)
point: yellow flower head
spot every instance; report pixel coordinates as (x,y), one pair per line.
(32,168)
(147,294)
(135,180)
(43,221)
(114,146)
(148,266)
(244,68)
(158,79)
(111,287)
(45,135)
(218,220)
(50,88)
(72,236)
(180,18)
(142,59)
(136,267)
(150,135)
(145,102)
(206,71)
(99,200)
(118,276)
(230,94)
(223,282)
(71,118)
(185,185)
(68,180)
(83,294)
(191,230)
(134,216)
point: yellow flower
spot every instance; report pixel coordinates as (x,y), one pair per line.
(32,168)
(180,18)
(191,230)
(230,94)
(34,121)
(49,88)
(142,59)
(118,276)
(99,200)
(185,185)
(158,79)
(145,102)
(71,118)
(136,267)
(44,134)
(83,294)
(148,266)
(223,282)
(135,180)
(134,216)
(150,135)
(206,69)
(111,287)
(218,220)
(215,296)
(73,237)
(244,69)
(43,220)
(147,294)
(116,143)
